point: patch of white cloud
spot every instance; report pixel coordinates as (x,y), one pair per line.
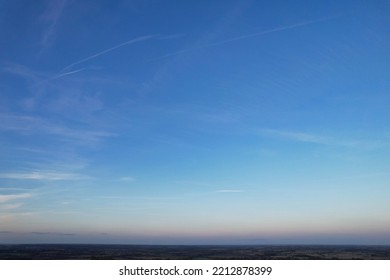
(229,191)
(127,179)
(11,206)
(10,197)
(42,175)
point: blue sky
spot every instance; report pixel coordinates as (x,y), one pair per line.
(195,122)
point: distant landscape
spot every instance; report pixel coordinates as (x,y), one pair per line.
(152,252)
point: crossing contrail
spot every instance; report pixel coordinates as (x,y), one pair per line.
(136,40)
(250,35)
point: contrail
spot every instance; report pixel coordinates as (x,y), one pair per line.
(67,73)
(60,75)
(251,35)
(139,39)
(264,32)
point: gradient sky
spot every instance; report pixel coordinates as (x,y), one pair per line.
(195,122)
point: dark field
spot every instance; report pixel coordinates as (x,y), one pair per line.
(143,252)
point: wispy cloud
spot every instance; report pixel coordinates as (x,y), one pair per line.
(66,74)
(297,136)
(37,79)
(13,189)
(278,29)
(11,197)
(136,40)
(51,233)
(229,191)
(320,139)
(209,188)
(32,125)
(23,72)
(50,18)
(127,179)
(11,206)
(42,175)
(251,35)
(165,72)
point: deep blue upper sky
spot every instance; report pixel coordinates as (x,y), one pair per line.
(195,122)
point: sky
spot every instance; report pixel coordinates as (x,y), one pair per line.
(195,122)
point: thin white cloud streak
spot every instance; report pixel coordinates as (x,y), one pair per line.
(127,179)
(42,175)
(305,137)
(11,206)
(35,77)
(66,74)
(297,136)
(51,16)
(229,191)
(292,26)
(51,233)
(23,71)
(256,34)
(152,198)
(164,73)
(136,40)
(13,189)
(10,197)
(27,124)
